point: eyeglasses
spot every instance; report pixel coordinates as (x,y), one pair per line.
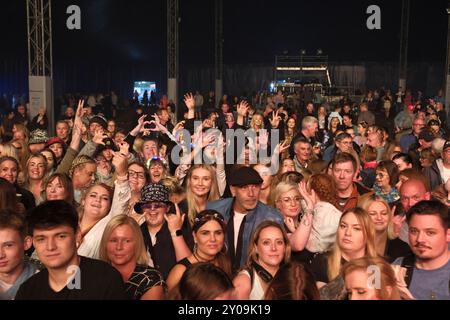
(381,175)
(288,200)
(154,205)
(139,175)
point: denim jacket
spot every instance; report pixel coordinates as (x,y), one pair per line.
(254,217)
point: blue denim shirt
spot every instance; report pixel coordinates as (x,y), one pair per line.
(261,213)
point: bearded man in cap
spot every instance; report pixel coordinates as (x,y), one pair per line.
(167,234)
(243,213)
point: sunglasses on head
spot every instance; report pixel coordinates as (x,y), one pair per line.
(205,216)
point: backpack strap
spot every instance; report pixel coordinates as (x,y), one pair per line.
(408,263)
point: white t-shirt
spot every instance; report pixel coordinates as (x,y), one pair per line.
(445,174)
(237,221)
(5,286)
(153,237)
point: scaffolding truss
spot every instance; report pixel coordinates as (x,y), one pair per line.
(39,22)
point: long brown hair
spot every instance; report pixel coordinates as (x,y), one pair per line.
(221,260)
(253,255)
(65,181)
(293,281)
(202,281)
(8,197)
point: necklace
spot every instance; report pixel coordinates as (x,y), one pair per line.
(198,260)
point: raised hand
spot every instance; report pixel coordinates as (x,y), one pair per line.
(140,127)
(290,224)
(275,121)
(158,126)
(189,101)
(124,149)
(281,147)
(263,138)
(284,146)
(207,140)
(180,125)
(207,123)
(198,134)
(120,162)
(175,219)
(78,124)
(242,108)
(308,196)
(80,111)
(99,136)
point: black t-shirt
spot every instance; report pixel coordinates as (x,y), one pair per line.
(163,251)
(98,281)
(396,248)
(319,267)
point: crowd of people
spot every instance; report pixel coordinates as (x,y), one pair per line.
(302,201)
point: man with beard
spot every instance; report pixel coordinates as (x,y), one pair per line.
(427,273)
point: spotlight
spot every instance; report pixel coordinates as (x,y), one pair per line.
(303,52)
(319,52)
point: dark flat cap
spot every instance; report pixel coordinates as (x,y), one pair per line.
(244,176)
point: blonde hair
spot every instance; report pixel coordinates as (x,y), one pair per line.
(85,193)
(253,124)
(25,172)
(138,145)
(140,253)
(387,275)
(366,200)
(9,150)
(24,153)
(213,193)
(24,129)
(280,188)
(335,256)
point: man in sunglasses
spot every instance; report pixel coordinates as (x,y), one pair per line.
(167,234)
